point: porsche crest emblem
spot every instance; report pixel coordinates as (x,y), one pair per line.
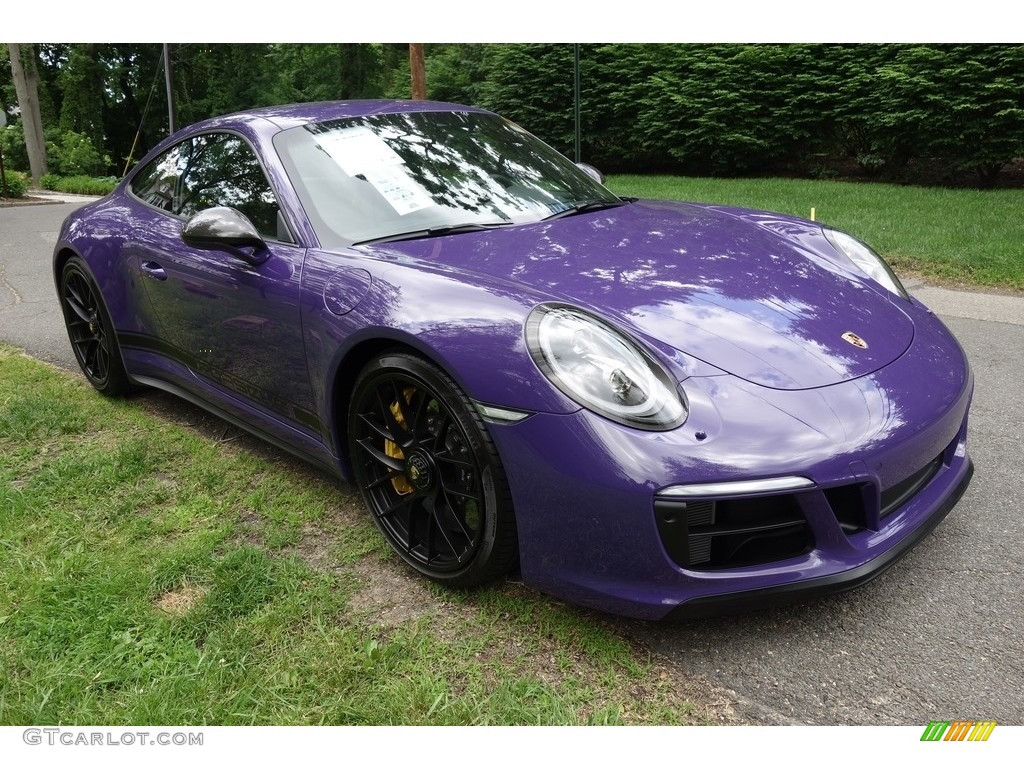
(854,339)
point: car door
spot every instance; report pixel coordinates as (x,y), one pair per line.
(234,323)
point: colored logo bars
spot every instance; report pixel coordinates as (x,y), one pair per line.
(958,730)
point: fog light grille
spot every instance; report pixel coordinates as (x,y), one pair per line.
(729,533)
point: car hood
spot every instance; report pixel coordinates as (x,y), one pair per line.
(762,297)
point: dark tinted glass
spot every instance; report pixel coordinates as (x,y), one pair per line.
(206,171)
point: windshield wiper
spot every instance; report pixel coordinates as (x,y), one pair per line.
(416,234)
(589,205)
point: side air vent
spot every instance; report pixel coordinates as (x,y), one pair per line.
(897,495)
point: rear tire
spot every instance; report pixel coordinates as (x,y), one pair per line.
(90,330)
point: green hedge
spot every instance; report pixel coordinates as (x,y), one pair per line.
(79,185)
(16,184)
(49,181)
(803,109)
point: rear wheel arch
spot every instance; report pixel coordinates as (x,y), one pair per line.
(89,326)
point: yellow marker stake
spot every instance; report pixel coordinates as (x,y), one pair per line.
(812,214)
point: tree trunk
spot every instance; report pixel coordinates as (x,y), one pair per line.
(416,67)
(26,83)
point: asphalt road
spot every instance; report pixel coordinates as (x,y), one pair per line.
(939,636)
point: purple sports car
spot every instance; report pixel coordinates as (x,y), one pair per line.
(650,408)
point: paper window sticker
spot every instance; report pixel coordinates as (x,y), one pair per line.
(402,193)
(358,150)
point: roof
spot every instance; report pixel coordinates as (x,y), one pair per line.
(291,115)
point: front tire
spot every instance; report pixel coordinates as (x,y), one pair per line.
(429,472)
(90,330)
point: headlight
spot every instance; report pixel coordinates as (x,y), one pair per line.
(869,262)
(602,369)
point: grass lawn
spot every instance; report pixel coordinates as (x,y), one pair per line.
(151,573)
(973,237)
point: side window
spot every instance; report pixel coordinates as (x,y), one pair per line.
(209,170)
(157,183)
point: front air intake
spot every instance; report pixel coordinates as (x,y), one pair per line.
(729,533)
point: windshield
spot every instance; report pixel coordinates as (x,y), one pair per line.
(380,176)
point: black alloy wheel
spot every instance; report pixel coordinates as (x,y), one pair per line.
(429,473)
(90,330)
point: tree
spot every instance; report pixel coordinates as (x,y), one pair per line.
(82,82)
(26,82)
(897,110)
(456,71)
(418,71)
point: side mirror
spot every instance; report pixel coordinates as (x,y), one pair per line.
(226,229)
(591,171)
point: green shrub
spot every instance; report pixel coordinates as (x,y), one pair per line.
(49,181)
(16,183)
(74,155)
(86,185)
(12,144)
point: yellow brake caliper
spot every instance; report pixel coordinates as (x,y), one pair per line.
(400,484)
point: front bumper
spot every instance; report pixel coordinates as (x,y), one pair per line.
(886,453)
(840,582)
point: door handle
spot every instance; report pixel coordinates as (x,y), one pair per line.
(154,271)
